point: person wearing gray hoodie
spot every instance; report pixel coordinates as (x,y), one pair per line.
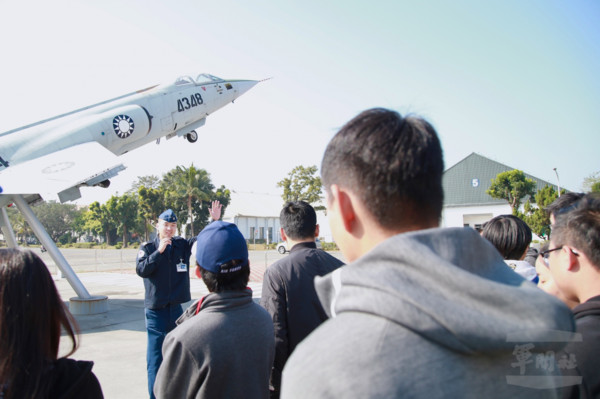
(419,311)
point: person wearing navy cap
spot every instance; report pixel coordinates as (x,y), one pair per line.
(224,346)
(164,265)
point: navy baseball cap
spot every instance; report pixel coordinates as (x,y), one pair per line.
(168,216)
(219,243)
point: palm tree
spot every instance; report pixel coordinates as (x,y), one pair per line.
(184,185)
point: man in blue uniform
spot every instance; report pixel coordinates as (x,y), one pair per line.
(164,265)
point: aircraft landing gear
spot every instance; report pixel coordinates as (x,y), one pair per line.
(192,136)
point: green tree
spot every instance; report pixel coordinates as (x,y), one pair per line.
(592,183)
(151,181)
(512,186)
(20,227)
(302,184)
(150,204)
(125,209)
(78,224)
(223,195)
(536,216)
(99,220)
(187,192)
(57,219)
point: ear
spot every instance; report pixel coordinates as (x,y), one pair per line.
(343,202)
(316,230)
(283,236)
(572,258)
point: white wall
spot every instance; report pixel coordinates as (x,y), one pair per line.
(461,215)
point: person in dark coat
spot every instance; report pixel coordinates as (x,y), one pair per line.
(288,291)
(164,266)
(574,262)
(223,348)
(32,315)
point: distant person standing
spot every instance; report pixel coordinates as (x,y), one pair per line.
(164,265)
(511,236)
(288,291)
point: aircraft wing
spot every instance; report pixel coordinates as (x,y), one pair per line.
(60,174)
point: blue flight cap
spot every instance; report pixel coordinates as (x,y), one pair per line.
(219,243)
(168,216)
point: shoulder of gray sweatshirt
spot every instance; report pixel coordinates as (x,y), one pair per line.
(430,314)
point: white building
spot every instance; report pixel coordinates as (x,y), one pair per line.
(257,216)
(465,200)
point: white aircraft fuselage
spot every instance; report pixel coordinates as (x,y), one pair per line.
(119,125)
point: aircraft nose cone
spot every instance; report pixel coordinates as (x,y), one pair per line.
(242,86)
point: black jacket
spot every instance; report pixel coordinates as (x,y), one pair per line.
(73,379)
(584,356)
(288,294)
(163,283)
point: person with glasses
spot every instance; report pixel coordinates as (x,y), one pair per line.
(545,280)
(574,262)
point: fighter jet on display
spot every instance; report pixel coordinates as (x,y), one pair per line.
(54,158)
(59,155)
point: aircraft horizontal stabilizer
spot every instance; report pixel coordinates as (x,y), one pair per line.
(60,174)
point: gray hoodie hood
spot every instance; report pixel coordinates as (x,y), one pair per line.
(450,286)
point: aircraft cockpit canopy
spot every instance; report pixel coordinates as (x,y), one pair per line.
(202,79)
(184,80)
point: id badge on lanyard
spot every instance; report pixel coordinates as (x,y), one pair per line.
(181,267)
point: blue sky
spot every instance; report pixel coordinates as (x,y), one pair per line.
(516,81)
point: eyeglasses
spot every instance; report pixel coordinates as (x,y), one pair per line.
(546,254)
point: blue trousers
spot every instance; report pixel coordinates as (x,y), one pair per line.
(159,322)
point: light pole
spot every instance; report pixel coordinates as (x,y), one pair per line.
(558,181)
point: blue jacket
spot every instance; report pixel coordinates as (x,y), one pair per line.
(163,283)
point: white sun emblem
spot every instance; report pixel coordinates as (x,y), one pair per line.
(123,126)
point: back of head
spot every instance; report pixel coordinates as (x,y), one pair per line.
(393,164)
(31,316)
(580,228)
(299,220)
(509,234)
(222,256)
(563,203)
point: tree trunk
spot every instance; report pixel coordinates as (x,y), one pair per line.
(190,216)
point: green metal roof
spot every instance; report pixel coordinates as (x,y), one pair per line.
(466,182)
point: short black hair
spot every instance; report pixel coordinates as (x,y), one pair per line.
(393,164)
(580,227)
(298,219)
(509,234)
(563,203)
(234,281)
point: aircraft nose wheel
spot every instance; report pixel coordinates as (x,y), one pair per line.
(192,136)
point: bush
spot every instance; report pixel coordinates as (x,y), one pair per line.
(329,246)
(119,245)
(83,245)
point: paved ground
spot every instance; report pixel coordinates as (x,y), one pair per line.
(116,340)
